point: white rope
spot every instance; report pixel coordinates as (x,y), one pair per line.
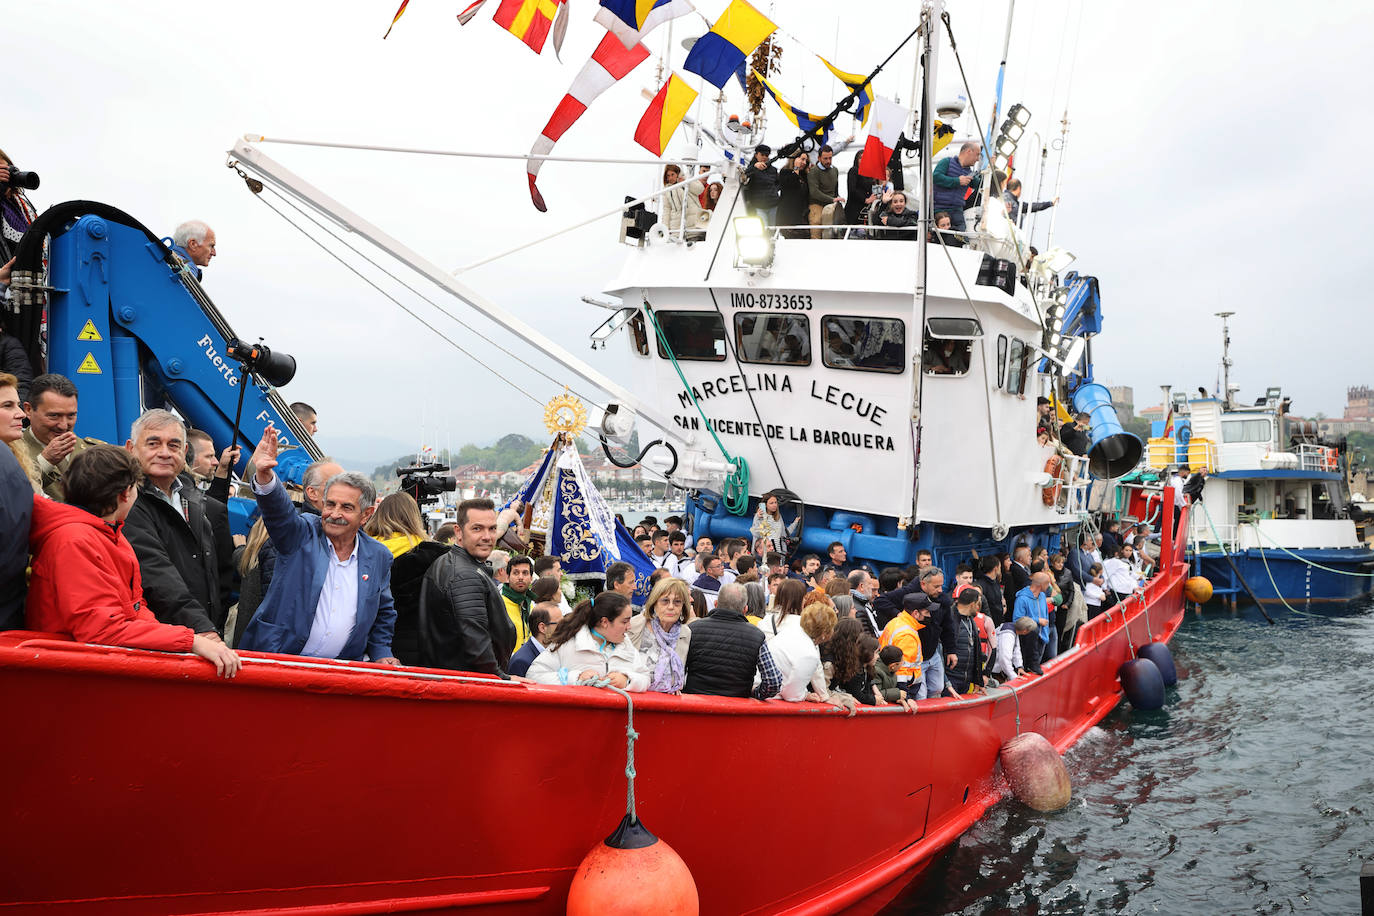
(630,737)
(1301,559)
(464,154)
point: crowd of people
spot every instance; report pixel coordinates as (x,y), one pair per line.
(131,546)
(803,196)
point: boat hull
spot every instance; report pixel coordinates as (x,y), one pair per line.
(1298,576)
(139,783)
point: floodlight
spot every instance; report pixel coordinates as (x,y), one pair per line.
(1019,113)
(1056,259)
(1012,131)
(1001,162)
(1005,146)
(748,226)
(1074,352)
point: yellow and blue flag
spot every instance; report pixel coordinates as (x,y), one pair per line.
(664,114)
(856,82)
(718,54)
(631,20)
(804,120)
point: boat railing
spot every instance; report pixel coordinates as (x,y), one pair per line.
(1204,537)
(1078,490)
(1316,457)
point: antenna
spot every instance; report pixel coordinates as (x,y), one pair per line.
(1225,358)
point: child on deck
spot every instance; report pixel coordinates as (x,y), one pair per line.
(1093,592)
(885,674)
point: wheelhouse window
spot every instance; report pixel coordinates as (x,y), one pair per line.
(863,344)
(1018,363)
(1257,430)
(947,348)
(1001,360)
(782,340)
(693,335)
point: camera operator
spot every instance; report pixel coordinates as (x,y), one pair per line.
(16,212)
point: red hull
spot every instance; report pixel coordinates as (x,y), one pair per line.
(137,783)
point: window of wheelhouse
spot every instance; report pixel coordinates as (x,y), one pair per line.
(693,335)
(863,344)
(780,340)
(1019,355)
(1001,360)
(947,348)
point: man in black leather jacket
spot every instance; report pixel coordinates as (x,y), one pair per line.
(463,621)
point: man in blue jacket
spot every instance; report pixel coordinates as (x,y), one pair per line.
(1031,602)
(954,178)
(331,593)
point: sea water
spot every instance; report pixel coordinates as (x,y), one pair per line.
(1252,791)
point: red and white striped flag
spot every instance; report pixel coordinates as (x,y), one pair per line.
(610,62)
(466,15)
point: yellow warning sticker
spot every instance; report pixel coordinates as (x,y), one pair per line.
(89,366)
(88,332)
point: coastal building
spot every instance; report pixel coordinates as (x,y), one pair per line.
(1123,399)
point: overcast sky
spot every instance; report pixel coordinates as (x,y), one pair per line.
(1202,171)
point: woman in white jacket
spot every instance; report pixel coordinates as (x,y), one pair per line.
(796,652)
(590,644)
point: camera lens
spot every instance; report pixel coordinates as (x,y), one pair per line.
(26,180)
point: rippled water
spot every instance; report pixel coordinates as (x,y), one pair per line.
(1252,791)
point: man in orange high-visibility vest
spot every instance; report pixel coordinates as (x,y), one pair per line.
(903,631)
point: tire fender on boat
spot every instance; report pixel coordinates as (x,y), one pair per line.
(1036,772)
(1143,683)
(633,872)
(1159,653)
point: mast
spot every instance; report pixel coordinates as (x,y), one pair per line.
(928,64)
(1225,359)
(1059,176)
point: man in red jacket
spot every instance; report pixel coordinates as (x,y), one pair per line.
(85,580)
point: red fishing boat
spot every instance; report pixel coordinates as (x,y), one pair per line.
(136,782)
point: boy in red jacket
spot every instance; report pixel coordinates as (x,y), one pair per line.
(85,580)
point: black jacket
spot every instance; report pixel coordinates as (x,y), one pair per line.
(898,226)
(940,626)
(1075,439)
(1192,489)
(1016,578)
(407,577)
(16,512)
(889,604)
(15,361)
(463,624)
(963,641)
(992,594)
(857,189)
(183,573)
(793,197)
(723,655)
(761,186)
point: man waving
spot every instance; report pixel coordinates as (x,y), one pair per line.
(331,593)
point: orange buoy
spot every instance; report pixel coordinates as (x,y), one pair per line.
(633,873)
(1198,589)
(1036,772)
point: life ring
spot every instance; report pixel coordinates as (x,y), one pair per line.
(1050,495)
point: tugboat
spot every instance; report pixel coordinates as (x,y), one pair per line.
(1276,522)
(310,786)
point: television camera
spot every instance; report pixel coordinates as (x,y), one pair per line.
(424,483)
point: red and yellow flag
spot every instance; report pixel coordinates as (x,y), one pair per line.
(664,115)
(528,20)
(395,19)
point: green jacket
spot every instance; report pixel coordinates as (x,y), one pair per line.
(885,683)
(824,185)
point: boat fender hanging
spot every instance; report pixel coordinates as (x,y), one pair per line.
(630,873)
(1050,494)
(1036,772)
(1159,653)
(1143,683)
(1198,589)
